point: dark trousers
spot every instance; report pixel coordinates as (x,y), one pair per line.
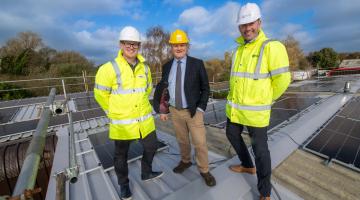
(121,156)
(261,151)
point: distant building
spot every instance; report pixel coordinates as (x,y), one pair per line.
(350,63)
(302,75)
(350,66)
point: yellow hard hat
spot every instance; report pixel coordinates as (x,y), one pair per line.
(178,37)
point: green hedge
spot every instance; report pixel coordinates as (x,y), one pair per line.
(14,94)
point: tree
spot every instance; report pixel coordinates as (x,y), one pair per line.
(69,63)
(326,58)
(19,53)
(297,59)
(352,55)
(214,68)
(156,49)
(47,54)
(24,40)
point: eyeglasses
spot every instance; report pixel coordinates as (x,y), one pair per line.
(132,45)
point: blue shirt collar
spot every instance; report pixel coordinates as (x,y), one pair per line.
(183,60)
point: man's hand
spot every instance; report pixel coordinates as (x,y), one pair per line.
(164,117)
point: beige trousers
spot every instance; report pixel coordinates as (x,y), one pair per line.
(183,124)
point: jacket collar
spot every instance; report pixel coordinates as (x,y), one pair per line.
(240,40)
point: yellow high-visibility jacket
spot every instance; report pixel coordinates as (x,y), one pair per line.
(259,75)
(124,95)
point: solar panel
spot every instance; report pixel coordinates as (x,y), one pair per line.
(351,111)
(287,106)
(7,129)
(77,116)
(93,113)
(7,113)
(279,115)
(20,102)
(333,145)
(57,120)
(86,103)
(324,85)
(318,142)
(295,103)
(340,138)
(349,150)
(104,148)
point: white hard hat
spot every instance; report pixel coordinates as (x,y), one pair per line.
(248,13)
(129,33)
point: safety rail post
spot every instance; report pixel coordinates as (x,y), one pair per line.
(64,89)
(73,170)
(29,170)
(86,86)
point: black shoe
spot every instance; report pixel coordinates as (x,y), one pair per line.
(152,175)
(181,167)
(209,179)
(125,192)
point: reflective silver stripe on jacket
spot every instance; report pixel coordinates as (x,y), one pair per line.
(279,71)
(117,72)
(249,75)
(261,75)
(258,64)
(130,121)
(128,91)
(120,90)
(101,87)
(254,108)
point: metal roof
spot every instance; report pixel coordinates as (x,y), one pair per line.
(96,183)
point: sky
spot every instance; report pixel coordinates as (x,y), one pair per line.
(92,27)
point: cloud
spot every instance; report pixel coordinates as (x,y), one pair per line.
(69,7)
(83,24)
(52,20)
(200,21)
(297,31)
(332,24)
(98,44)
(200,46)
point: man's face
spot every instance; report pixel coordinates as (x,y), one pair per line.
(130,49)
(251,30)
(179,50)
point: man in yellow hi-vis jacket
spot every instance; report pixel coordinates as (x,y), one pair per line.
(259,75)
(122,88)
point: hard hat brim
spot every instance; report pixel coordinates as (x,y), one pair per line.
(241,22)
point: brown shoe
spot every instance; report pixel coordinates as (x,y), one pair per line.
(209,179)
(181,167)
(241,169)
(264,198)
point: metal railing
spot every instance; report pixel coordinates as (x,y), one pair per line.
(82,83)
(29,170)
(42,83)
